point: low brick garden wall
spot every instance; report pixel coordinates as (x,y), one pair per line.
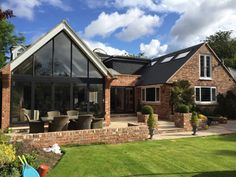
(106,136)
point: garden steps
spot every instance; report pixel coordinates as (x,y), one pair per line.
(168,127)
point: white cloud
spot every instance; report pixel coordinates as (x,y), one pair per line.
(153,49)
(25,8)
(108,49)
(133,24)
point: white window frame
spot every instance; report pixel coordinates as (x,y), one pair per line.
(200,95)
(143,90)
(205,67)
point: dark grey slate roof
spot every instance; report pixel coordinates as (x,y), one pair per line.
(159,72)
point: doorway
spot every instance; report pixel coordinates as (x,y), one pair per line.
(122,100)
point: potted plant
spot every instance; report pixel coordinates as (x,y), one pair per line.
(152,124)
(146,111)
(194,122)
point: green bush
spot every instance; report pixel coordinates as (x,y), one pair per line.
(147,110)
(182,108)
(152,121)
(194,118)
(226,105)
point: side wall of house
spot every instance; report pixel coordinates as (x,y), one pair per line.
(163,109)
(190,71)
(6,96)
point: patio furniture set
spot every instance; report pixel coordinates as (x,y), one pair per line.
(57,122)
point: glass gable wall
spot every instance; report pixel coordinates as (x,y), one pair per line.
(58,76)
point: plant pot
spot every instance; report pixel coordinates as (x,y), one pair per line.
(143,118)
(151,132)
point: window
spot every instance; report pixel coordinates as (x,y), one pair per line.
(62,55)
(182,55)
(205,94)
(43,60)
(150,94)
(79,63)
(205,67)
(93,72)
(166,59)
(26,68)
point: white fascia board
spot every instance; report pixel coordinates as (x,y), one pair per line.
(42,41)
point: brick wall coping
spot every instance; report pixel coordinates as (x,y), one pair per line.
(91,136)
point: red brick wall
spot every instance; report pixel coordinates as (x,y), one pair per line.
(107,136)
(125,80)
(107,101)
(163,108)
(190,71)
(6,96)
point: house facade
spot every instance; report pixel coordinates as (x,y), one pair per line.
(59,72)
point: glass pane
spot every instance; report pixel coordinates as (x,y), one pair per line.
(93,72)
(79,99)
(157,94)
(143,94)
(213,93)
(197,94)
(202,66)
(79,63)
(129,99)
(208,66)
(21,99)
(43,60)
(43,98)
(62,97)
(26,68)
(96,99)
(150,94)
(205,94)
(62,55)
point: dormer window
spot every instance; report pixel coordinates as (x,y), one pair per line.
(205,67)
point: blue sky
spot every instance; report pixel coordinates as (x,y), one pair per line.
(152,27)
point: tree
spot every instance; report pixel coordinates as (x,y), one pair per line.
(182,94)
(224,46)
(6,14)
(7,40)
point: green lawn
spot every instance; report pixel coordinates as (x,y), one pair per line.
(213,156)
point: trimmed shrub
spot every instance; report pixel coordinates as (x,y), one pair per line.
(182,108)
(194,118)
(147,110)
(152,121)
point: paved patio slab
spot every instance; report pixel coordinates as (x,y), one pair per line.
(219,129)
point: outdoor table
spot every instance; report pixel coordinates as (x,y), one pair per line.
(48,119)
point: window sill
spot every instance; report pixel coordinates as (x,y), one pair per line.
(205,78)
(206,103)
(151,102)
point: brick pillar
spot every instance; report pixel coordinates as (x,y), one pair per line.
(108,101)
(6,96)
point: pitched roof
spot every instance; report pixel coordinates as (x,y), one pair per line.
(232,72)
(165,66)
(63,26)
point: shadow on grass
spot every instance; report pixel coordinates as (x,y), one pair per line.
(228,137)
(191,174)
(227,153)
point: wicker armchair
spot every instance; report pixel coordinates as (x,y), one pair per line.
(35,126)
(84,121)
(59,123)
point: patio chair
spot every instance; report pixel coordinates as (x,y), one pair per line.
(59,123)
(53,113)
(35,126)
(84,121)
(97,123)
(72,113)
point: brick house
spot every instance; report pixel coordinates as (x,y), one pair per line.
(59,72)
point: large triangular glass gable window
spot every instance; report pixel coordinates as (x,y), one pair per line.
(93,72)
